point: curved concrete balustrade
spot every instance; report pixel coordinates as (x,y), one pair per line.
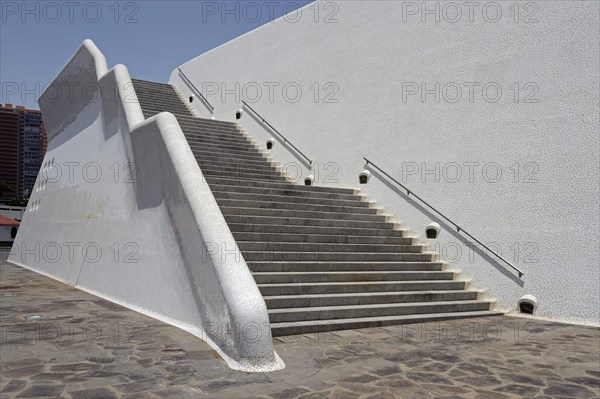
(121,210)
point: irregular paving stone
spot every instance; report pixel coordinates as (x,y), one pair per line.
(480,394)
(439,390)
(587,381)
(382,395)
(434,367)
(96,393)
(481,381)
(521,390)
(42,391)
(96,374)
(214,386)
(569,390)
(289,393)
(49,376)
(429,377)
(524,379)
(23,371)
(396,383)
(14,386)
(364,378)
(387,371)
(15,364)
(137,386)
(474,369)
(74,367)
(316,395)
(343,394)
(102,360)
(446,358)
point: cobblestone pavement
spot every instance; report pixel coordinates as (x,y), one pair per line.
(85,348)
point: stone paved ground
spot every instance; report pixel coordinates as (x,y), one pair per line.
(123,354)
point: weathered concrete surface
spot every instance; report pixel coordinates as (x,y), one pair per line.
(86,347)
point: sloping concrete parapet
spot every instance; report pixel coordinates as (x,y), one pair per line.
(140,226)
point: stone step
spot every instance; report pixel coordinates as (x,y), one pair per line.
(156,109)
(248,179)
(307,222)
(163,107)
(301,213)
(212,122)
(224,148)
(318,248)
(232,140)
(150,106)
(152,87)
(163,96)
(266,266)
(259,163)
(321,326)
(199,127)
(178,114)
(334,204)
(154,92)
(358,287)
(150,83)
(288,186)
(324,277)
(336,256)
(160,98)
(288,202)
(242,175)
(200,131)
(378,310)
(215,124)
(225,166)
(277,229)
(323,238)
(367,298)
(242,192)
(201,154)
(195,135)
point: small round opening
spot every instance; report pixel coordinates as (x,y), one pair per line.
(307,182)
(363,179)
(191,98)
(526,307)
(238,115)
(269,145)
(431,233)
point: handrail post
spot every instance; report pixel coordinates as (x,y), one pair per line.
(458,228)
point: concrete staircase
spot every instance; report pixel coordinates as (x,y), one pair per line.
(324,258)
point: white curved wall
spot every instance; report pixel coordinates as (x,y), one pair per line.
(120,210)
(545,220)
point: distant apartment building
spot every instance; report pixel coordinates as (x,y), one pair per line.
(23,145)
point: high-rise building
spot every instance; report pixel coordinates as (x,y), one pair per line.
(22,147)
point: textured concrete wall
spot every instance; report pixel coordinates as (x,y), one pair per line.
(513,158)
(120,210)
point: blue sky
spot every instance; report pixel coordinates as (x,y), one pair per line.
(150,37)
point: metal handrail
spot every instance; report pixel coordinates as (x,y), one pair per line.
(196,89)
(276,131)
(458,228)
